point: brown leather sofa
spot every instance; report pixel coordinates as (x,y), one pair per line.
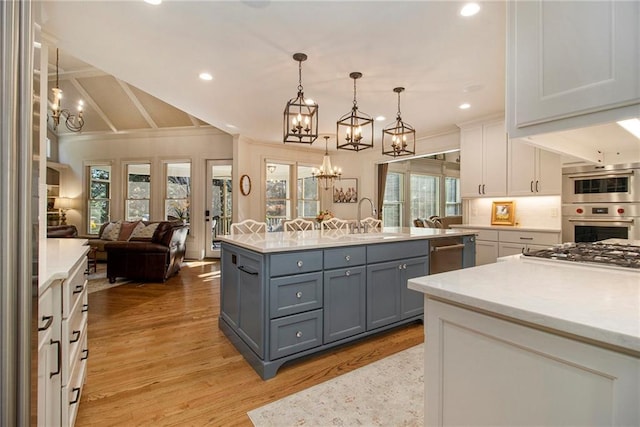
(152,260)
(57,231)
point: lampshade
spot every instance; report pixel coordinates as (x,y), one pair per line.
(62,203)
(398,138)
(300,115)
(354,130)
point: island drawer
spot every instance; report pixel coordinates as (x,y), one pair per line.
(399,250)
(295,262)
(345,257)
(295,294)
(530,237)
(296,333)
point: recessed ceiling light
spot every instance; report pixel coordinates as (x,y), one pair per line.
(464,106)
(206,76)
(470,9)
(380,118)
(632,126)
(153,2)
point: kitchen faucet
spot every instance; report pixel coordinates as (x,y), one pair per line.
(358,225)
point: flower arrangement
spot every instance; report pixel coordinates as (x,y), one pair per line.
(325,214)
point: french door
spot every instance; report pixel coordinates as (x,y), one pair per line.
(218,204)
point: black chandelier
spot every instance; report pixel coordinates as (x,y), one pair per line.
(300,115)
(73,122)
(400,136)
(355,128)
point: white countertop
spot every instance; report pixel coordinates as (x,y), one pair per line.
(62,255)
(600,304)
(283,241)
(505,228)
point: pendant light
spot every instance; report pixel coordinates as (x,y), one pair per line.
(73,122)
(300,115)
(355,128)
(398,138)
(326,173)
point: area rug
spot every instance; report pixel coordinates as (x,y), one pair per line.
(98,281)
(389,392)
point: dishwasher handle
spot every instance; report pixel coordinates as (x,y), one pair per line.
(447,247)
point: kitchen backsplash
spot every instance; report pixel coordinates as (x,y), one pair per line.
(537,212)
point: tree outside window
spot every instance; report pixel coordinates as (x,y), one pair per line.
(98,204)
(138,192)
(178,192)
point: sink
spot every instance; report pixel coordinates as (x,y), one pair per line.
(375,236)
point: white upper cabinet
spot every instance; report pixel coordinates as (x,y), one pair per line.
(533,171)
(571,64)
(483,160)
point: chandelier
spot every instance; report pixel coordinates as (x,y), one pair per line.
(300,115)
(400,136)
(357,127)
(326,173)
(73,122)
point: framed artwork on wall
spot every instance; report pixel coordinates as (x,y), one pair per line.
(503,213)
(345,190)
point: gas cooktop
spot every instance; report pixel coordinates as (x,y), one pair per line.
(600,253)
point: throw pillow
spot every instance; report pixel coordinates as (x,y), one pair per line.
(126,229)
(144,233)
(112,231)
(139,226)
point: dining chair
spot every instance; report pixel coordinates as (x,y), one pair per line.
(371,222)
(298,224)
(248,226)
(334,224)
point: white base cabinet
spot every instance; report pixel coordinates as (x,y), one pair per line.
(492,243)
(482,370)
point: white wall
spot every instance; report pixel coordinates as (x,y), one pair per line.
(195,146)
(535,212)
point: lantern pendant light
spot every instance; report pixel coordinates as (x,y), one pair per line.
(354,130)
(398,138)
(300,114)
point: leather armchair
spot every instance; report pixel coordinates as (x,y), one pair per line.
(154,260)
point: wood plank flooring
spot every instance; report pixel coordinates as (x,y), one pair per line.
(157,357)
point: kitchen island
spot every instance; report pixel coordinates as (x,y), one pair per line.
(528,341)
(286,295)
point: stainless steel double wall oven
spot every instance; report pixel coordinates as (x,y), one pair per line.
(601,202)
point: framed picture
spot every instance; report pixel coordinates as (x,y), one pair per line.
(503,213)
(345,190)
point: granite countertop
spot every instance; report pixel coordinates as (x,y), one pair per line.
(283,241)
(62,255)
(597,303)
(505,228)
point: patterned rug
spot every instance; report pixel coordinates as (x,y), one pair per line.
(98,281)
(389,392)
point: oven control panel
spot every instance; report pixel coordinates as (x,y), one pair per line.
(600,210)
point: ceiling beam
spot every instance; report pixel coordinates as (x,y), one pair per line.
(89,100)
(137,103)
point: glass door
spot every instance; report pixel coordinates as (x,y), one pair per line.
(218,205)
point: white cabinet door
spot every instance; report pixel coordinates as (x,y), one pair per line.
(506,249)
(471,149)
(494,160)
(533,171)
(569,63)
(486,252)
(549,173)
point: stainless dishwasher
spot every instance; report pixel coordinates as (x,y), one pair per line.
(446,254)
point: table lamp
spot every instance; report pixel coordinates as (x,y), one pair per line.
(64,204)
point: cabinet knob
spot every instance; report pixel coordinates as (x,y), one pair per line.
(347,258)
(298,334)
(404,266)
(299,294)
(299,263)
(400,267)
(348,273)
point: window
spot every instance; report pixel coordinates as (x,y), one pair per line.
(392,207)
(425,195)
(138,199)
(221,191)
(277,195)
(98,204)
(453,200)
(308,195)
(178,191)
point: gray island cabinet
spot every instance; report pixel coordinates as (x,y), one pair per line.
(287,295)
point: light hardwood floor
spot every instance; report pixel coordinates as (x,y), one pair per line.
(157,357)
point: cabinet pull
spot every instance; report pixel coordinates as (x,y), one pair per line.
(299,294)
(479,186)
(299,264)
(85,308)
(51,342)
(76,337)
(48,321)
(75,400)
(298,334)
(347,273)
(78,289)
(85,354)
(245,270)
(526,238)
(483,189)
(447,247)
(537,188)
(347,258)
(531,186)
